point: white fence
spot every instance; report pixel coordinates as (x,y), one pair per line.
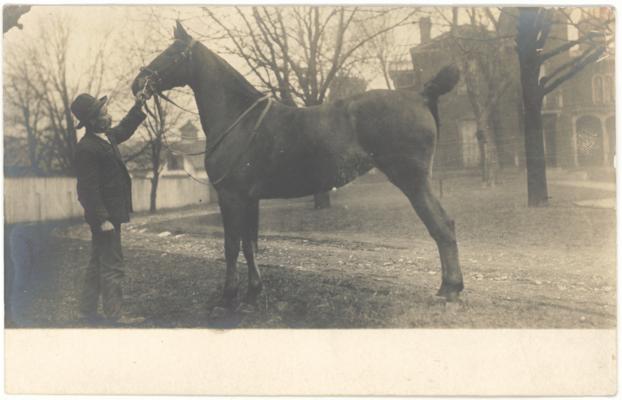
(46,199)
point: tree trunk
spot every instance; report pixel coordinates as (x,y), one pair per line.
(530,63)
(321,200)
(154,193)
(497,133)
(537,192)
(489,158)
(31,140)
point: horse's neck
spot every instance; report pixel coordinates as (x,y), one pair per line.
(221,96)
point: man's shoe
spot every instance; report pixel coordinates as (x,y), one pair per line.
(90,319)
(125,320)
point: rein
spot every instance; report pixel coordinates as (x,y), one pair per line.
(210,150)
(253,134)
(165,97)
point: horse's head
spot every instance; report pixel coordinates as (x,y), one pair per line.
(169,69)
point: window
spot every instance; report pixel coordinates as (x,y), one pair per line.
(470,147)
(554,100)
(597,89)
(175,162)
(609,92)
(603,89)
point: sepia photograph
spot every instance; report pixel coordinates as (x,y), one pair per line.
(298,167)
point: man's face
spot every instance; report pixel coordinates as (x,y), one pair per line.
(103,121)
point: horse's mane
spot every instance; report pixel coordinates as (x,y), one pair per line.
(244,84)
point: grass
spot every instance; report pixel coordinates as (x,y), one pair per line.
(369,262)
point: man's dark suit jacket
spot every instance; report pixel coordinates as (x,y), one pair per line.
(104,184)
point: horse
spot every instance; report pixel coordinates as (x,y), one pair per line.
(258,148)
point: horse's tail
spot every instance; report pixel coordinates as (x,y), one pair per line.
(444,81)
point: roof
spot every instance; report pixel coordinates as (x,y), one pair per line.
(464,31)
(189,131)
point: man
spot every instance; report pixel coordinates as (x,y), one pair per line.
(105,192)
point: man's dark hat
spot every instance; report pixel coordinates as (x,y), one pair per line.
(85,107)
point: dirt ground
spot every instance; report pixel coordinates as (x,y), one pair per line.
(367,262)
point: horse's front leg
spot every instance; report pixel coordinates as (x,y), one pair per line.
(232,209)
(249,247)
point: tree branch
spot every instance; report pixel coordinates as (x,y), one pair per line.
(567,46)
(574,70)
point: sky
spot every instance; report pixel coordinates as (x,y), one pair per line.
(91,24)
(119,25)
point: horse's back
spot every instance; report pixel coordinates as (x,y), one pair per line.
(391,123)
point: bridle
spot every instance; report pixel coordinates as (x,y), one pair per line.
(154,78)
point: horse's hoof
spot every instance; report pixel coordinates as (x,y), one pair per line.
(253,294)
(219,312)
(247,309)
(450,296)
(230,299)
(451,293)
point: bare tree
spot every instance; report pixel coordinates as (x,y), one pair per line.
(381,51)
(44,81)
(157,125)
(480,47)
(296,52)
(22,102)
(535,47)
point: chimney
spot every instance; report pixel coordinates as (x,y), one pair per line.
(425,27)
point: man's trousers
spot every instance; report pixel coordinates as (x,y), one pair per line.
(104,274)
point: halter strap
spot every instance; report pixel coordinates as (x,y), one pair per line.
(222,136)
(250,139)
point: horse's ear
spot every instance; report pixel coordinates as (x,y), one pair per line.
(180,33)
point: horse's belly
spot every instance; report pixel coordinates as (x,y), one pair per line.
(309,175)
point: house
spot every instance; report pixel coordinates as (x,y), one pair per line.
(181,157)
(578,117)
(178,159)
(457,146)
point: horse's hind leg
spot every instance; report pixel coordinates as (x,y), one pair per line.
(413,181)
(249,247)
(232,209)
(442,229)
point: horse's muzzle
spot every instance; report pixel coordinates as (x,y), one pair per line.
(138,84)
